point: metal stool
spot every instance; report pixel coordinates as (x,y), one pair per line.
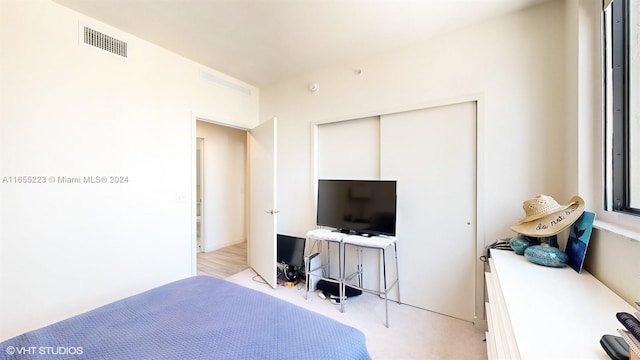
(378,243)
(329,237)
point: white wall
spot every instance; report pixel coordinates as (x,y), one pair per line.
(71,110)
(224,191)
(514,63)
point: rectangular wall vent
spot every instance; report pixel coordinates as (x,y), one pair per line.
(105,42)
(223,82)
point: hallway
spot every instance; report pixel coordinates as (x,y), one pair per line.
(224,262)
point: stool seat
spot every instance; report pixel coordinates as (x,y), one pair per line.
(376,242)
(325,235)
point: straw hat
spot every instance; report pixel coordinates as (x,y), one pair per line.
(539,207)
(545,217)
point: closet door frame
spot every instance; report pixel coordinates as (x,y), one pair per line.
(478,98)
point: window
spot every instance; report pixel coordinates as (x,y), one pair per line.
(622,114)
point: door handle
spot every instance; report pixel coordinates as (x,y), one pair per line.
(272,211)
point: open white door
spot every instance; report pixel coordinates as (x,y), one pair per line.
(261,244)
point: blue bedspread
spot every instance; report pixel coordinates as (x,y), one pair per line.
(195,318)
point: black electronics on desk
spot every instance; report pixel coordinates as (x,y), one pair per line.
(290,256)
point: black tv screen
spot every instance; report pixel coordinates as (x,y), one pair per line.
(358,206)
(290,250)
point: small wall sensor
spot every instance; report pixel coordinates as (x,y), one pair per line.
(358,71)
(313,87)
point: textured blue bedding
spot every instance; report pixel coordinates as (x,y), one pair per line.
(195,318)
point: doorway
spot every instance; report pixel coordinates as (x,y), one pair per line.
(230,155)
(221,188)
(199,175)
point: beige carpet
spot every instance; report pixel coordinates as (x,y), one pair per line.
(412,334)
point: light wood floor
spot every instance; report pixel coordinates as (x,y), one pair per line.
(224,262)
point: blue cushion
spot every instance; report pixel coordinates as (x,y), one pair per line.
(546,255)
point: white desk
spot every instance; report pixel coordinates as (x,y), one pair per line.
(538,312)
(358,242)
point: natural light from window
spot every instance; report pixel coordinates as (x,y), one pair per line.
(634,103)
(622,114)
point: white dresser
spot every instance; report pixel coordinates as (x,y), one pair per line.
(538,312)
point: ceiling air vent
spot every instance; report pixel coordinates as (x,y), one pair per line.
(105,42)
(226,83)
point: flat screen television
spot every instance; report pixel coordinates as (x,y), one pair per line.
(358,206)
(290,251)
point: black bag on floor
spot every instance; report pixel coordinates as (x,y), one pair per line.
(332,288)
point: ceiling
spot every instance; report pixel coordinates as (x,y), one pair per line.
(265,41)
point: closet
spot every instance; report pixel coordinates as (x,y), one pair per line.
(431,152)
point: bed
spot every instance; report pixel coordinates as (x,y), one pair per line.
(195,318)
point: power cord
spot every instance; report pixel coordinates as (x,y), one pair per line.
(500,244)
(259,279)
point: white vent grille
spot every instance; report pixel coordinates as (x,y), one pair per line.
(104,42)
(226,83)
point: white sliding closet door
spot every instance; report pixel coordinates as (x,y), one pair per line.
(432,154)
(351,150)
